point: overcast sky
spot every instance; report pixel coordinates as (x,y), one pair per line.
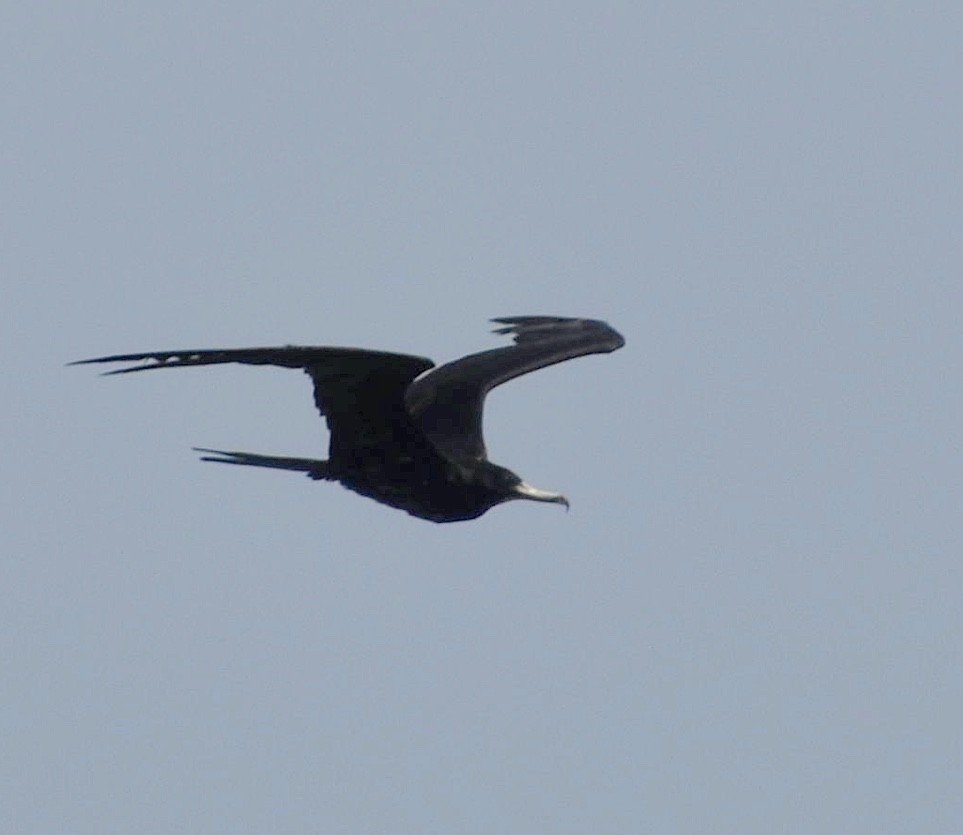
(749,621)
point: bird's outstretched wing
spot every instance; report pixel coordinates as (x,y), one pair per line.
(448,402)
(360,392)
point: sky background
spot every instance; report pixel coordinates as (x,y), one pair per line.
(750,620)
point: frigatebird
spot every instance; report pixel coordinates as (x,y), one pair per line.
(403,437)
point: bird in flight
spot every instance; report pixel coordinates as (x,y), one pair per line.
(403,437)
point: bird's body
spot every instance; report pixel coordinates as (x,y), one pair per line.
(406,438)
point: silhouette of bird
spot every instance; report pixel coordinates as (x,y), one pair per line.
(403,437)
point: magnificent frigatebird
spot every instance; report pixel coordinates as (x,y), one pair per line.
(399,436)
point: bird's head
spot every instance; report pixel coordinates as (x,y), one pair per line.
(509,485)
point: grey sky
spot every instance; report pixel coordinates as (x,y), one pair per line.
(750,621)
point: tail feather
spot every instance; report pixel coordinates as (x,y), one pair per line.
(318,470)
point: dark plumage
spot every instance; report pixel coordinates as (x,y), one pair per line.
(409,441)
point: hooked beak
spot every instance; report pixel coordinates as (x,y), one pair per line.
(526,491)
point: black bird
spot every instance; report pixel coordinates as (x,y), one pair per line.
(399,436)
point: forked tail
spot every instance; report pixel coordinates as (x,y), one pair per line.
(318,470)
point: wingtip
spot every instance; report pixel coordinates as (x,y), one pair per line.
(526,328)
